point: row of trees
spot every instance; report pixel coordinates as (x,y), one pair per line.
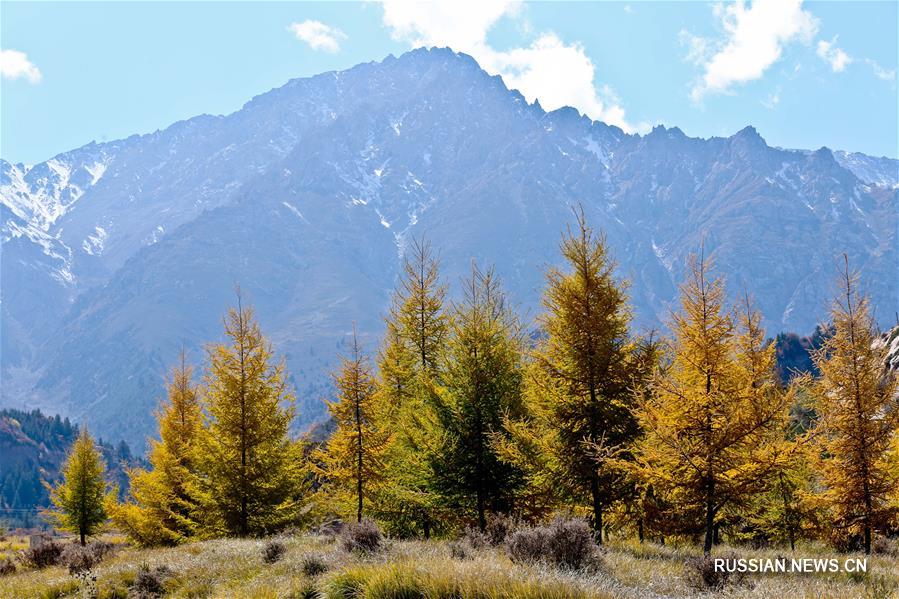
(467,414)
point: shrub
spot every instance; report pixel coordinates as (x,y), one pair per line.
(314,564)
(527,545)
(499,527)
(148,584)
(475,538)
(43,555)
(570,544)
(273,551)
(362,537)
(78,559)
(7,567)
(886,546)
(702,575)
(101,549)
(459,550)
(331,528)
(564,543)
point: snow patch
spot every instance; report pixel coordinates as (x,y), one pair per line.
(296,211)
(94,244)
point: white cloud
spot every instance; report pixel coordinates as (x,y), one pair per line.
(754,38)
(772,100)
(549,70)
(880,72)
(832,55)
(318,35)
(15,64)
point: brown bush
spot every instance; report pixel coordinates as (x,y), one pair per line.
(149,583)
(273,551)
(702,575)
(44,555)
(7,567)
(886,546)
(565,543)
(77,558)
(314,564)
(474,538)
(527,545)
(361,537)
(499,527)
(570,544)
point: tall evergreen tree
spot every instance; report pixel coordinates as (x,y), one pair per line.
(857,402)
(409,372)
(79,498)
(712,419)
(580,398)
(162,508)
(250,469)
(481,383)
(352,461)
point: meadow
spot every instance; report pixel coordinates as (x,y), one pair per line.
(319,566)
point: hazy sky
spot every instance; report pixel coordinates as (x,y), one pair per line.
(805,75)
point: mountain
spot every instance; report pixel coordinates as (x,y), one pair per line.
(33,448)
(116,255)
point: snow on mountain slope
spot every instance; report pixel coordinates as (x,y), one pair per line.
(308,197)
(880,171)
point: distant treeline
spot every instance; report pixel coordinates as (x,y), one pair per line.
(33,446)
(462,413)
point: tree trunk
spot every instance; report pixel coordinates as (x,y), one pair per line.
(597,509)
(640,528)
(81,533)
(359,459)
(709,516)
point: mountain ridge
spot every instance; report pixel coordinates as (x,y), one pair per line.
(337,171)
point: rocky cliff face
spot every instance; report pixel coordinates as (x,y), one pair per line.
(114,255)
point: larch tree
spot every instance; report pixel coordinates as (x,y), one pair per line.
(580,421)
(352,462)
(162,508)
(250,469)
(712,419)
(396,367)
(481,383)
(79,499)
(409,372)
(857,402)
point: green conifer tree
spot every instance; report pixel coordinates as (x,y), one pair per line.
(480,385)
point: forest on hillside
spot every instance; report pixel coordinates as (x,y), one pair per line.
(33,446)
(551,443)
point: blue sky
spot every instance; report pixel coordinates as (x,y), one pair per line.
(805,75)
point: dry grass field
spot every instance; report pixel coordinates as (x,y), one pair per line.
(317,566)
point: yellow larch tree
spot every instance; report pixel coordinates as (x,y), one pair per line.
(250,470)
(857,401)
(409,372)
(579,422)
(712,418)
(352,463)
(162,506)
(79,501)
